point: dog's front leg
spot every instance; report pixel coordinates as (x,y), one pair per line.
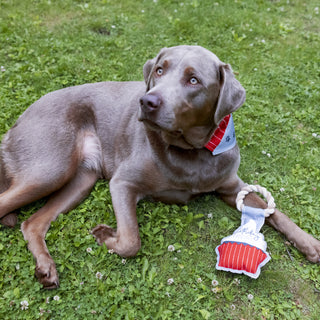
(303,241)
(124,241)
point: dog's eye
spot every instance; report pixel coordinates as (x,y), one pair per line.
(159,71)
(194,81)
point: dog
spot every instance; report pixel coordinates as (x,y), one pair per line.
(148,138)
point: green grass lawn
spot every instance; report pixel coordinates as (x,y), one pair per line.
(274,48)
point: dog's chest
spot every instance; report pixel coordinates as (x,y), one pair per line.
(199,172)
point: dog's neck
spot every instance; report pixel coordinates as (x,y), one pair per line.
(224,137)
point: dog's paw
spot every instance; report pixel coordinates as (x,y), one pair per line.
(312,251)
(307,245)
(46,273)
(9,220)
(125,246)
(102,233)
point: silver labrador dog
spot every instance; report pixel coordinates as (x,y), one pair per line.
(147,138)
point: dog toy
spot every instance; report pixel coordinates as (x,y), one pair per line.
(245,250)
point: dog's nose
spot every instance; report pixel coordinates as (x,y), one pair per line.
(150,102)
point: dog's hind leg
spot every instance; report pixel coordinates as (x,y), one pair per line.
(11,218)
(24,190)
(35,228)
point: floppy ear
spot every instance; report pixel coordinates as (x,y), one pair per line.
(232,94)
(149,67)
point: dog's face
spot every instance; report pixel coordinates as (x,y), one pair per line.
(189,91)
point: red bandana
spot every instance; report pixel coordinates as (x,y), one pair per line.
(224,137)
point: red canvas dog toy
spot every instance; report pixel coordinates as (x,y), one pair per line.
(245,250)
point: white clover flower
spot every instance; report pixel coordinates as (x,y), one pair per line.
(111,251)
(215,290)
(89,250)
(263,41)
(236,281)
(214,283)
(210,215)
(24,305)
(268,155)
(282,189)
(199,280)
(250,296)
(3,69)
(99,275)
(233,307)
(56,298)
(315,135)
(171,248)
(124,261)
(170,281)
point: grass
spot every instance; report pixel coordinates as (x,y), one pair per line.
(273,46)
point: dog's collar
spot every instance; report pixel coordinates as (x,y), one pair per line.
(224,137)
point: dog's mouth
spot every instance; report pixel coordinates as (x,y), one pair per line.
(171,137)
(155,127)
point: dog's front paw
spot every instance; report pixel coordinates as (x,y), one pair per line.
(46,273)
(312,250)
(102,233)
(125,246)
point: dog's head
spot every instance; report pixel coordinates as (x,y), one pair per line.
(189,91)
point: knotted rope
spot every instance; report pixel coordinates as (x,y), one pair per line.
(256,188)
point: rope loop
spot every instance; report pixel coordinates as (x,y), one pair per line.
(256,188)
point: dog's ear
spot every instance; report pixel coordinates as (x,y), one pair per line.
(148,68)
(147,71)
(232,94)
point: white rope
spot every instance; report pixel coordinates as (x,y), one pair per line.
(256,188)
